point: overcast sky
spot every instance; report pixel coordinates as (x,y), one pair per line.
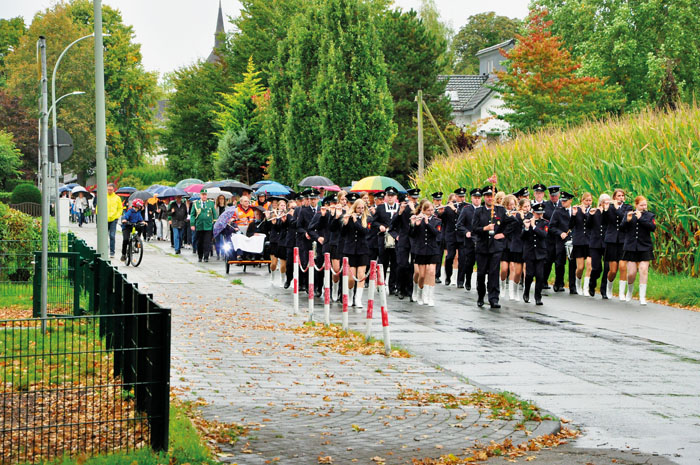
(173,33)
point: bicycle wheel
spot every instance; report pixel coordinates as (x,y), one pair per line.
(136,251)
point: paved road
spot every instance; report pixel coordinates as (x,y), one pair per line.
(628,375)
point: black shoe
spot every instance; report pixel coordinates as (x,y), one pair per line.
(206,260)
(480,302)
(605,297)
(447,282)
(318,293)
(200,260)
(287,284)
(591,292)
(460,284)
(438,281)
(400,295)
(538,302)
(177,252)
(302,289)
(546,286)
(558,288)
(573,292)
(468,287)
(526,298)
(495,304)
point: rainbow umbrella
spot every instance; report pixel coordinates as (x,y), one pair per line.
(373,184)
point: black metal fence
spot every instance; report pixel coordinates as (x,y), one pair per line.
(30,208)
(87,383)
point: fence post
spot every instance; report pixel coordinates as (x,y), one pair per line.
(370,298)
(385,312)
(161,387)
(327,287)
(296,280)
(311,274)
(344,279)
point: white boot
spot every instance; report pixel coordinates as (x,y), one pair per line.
(429,290)
(421,295)
(586,285)
(272,278)
(280,279)
(414,296)
(512,290)
(608,288)
(630,292)
(642,294)
(623,285)
(504,286)
(517,291)
(578,286)
(358,297)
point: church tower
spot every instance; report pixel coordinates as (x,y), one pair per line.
(218,42)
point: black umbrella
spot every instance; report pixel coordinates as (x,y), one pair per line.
(234,187)
(172,192)
(310,181)
(126,190)
(143,195)
(209,184)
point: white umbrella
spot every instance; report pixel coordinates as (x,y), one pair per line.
(74,192)
(214,192)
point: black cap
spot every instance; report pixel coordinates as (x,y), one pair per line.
(391,190)
(379,195)
(329,199)
(353,196)
(476,192)
(314,193)
(487,190)
(539,188)
(523,192)
(538,207)
(566,196)
(402,197)
(461,191)
(414,192)
(437,195)
(553,190)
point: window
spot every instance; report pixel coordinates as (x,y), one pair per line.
(453,95)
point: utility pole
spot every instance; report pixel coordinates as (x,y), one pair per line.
(100,137)
(421,160)
(44,143)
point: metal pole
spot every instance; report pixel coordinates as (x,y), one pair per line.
(45,187)
(55,136)
(421,160)
(100,137)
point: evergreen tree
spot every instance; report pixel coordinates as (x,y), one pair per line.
(354,104)
(239,156)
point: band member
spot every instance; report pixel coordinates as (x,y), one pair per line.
(549,207)
(356,225)
(291,238)
(510,203)
(515,246)
(319,232)
(489,225)
(538,189)
(580,238)
(614,241)
(465,240)
(425,230)
(596,246)
(383,216)
(373,237)
(559,227)
(534,236)
(400,225)
(278,253)
(335,228)
(437,205)
(448,215)
(638,248)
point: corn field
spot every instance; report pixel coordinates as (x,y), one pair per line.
(651,153)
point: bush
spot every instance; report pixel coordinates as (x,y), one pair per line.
(148,174)
(652,153)
(26,193)
(5,197)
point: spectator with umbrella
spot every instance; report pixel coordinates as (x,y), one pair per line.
(177,215)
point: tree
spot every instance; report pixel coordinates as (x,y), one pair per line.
(648,47)
(430,15)
(354,104)
(129,89)
(239,156)
(9,159)
(189,137)
(481,30)
(412,54)
(541,84)
(11,30)
(15,120)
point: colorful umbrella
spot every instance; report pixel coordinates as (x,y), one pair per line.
(194,188)
(373,184)
(316,181)
(272,188)
(332,188)
(223,220)
(188,182)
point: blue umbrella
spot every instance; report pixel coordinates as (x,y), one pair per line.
(63,189)
(273,188)
(194,196)
(171,192)
(126,190)
(153,188)
(260,183)
(223,220)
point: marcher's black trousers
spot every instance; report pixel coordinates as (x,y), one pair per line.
(388,259)
(405,271)
(488,264)
(534,270)
(451,248)
(466,260)
(204,239)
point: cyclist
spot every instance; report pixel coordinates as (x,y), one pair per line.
(132,218)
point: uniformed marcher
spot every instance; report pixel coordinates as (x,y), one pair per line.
(400,226)
(383,215)
(202,218)
(534,236)
(426,250)
(356,223)
(596,247)
(614,241)
(291,238)
(373,237)
(638,248)
(466,240)
(489,225)
(539,190)
(437,205)
(448,215)
(549,207)
(302,219)
(319,232)
(580,238)
(559,227)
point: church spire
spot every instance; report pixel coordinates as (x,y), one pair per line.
(218,40)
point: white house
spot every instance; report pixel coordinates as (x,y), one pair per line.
(472,99)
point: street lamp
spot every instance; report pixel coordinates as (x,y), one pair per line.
(53,108)
(55,136)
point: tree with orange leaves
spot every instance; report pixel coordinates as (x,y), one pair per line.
(542,85)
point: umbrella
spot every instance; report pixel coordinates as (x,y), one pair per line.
(194,188)
(223,220)
(153,188)
(332,188)
(171,192)
(316,181)
(126,190)
(194,197)
(210,184)
(72,185)
(234,187)
(273,188)
(215,192)
(374,184)
(188,182)
(63,189)
(143,195)
(77,189)
(260,183)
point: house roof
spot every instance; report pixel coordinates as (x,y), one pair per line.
(496,47)
(468,89)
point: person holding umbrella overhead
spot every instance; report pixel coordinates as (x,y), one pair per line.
(80,205)
(202,219)
(177,216)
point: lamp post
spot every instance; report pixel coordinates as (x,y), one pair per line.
(55,137)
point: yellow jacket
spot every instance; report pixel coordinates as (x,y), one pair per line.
(114,207)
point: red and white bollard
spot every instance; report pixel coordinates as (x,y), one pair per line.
(370,298)
(296,280)
(344,279)
(385,313)
(327,287)
(311,269)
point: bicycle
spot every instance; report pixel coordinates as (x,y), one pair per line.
(134,248)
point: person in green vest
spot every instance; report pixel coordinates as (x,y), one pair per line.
(202,217)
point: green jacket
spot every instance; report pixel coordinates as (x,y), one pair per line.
(203,215)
